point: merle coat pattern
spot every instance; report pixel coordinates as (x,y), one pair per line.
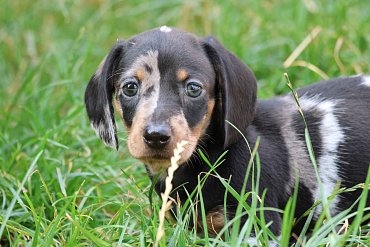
(169,85)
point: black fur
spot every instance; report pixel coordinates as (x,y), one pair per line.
(233,79)
(233,87)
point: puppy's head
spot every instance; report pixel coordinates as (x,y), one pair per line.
(168,86)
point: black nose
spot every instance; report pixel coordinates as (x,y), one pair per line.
(157,136)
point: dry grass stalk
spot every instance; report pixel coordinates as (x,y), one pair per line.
(303,45)
(311,67)
(338,46)
(166,203)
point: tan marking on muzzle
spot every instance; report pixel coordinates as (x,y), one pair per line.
(180,132)
(200,129)
(135,141)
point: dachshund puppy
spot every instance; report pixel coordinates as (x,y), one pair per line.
(169,85)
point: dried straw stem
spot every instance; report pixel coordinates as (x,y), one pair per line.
(166,204)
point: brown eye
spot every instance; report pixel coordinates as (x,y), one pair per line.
(130,88)
(193,89)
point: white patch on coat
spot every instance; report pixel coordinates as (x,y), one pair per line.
(106,129)
(299,159)
(366,81)
(165,29)
(332,134)
(253,242)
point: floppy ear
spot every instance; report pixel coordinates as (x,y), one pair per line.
(237,87)
(98,97)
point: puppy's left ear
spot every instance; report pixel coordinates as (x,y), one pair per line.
(99,93)
(237,88)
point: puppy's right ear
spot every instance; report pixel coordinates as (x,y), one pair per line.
(99,94)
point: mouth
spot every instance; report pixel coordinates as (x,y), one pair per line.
(156,163)
(156,158)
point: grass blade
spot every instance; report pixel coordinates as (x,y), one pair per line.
(12,203)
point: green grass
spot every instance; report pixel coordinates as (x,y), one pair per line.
(59,185)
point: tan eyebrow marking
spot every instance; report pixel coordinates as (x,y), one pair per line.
(140,74)
(182,74)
